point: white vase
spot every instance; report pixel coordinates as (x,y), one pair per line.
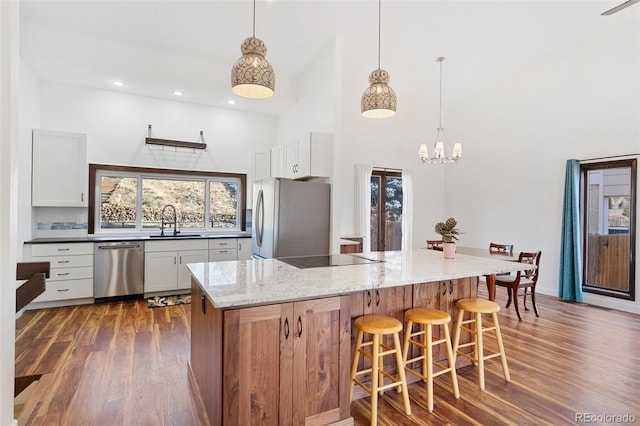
(449,250)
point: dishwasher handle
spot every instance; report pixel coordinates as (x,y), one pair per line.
(136,246)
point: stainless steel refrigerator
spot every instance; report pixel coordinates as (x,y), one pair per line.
(290,218)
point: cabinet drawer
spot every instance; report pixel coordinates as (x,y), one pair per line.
(60,290)
(62,249)
(174,245)
(66,261)
(220,255)
(222,243)
(65,274)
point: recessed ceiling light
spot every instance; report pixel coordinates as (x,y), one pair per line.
(231,102)
(118,83)
(178,93)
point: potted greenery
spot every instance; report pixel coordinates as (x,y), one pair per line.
(449,234)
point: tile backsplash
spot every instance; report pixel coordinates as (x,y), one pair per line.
(59,222)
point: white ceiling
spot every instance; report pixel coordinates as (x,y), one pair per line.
(157,47)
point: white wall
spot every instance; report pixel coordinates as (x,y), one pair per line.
(9,154)
(116,127)
(576,100)
(29,119)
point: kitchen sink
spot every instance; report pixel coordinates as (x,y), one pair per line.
(176,236)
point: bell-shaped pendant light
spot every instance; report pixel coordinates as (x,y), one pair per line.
(379,100)
(252,75)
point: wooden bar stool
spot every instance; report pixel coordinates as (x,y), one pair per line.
(428,318)
(477,307)
(377,326)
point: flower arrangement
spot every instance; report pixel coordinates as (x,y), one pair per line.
(448,230)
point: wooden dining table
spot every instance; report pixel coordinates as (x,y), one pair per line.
(486,253)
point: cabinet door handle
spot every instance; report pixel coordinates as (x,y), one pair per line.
(61,290)
(444,288)
(181,260)
(63,261)
(377,298)
(175,259)
(299,326)
(82,196)
(203,305)
(223,251)
(450,287)
(63,249)
(222,244)
(286,328)
(368,298)
(62,274)
(239,246)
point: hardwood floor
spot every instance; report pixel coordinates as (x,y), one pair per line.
(125,364)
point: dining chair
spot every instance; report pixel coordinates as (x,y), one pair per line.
(522,279)
(495,248)
(434,244)
(506,249)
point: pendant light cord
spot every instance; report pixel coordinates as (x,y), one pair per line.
(254,18)
(440,59)
(379,30)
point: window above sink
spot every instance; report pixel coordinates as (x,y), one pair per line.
(131,199)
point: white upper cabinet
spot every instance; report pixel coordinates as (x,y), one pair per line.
(261,165)
(311,156)
(278,167)
(60,171)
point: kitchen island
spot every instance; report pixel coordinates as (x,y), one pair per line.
(271,343)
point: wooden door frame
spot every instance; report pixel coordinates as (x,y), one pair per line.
(584,169)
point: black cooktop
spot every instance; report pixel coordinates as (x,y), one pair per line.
(305,262)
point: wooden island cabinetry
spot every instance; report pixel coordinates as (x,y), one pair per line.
(271,343)
(273,356)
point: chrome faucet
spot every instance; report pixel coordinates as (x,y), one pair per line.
(169,222)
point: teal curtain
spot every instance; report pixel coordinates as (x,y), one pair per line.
(570,249)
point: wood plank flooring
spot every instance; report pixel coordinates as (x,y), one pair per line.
(125,364)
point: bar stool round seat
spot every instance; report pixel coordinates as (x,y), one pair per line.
(477,307)
(428,318)
(378,326)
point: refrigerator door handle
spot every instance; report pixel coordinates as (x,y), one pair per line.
(259,218)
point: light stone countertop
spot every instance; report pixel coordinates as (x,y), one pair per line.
(267,281)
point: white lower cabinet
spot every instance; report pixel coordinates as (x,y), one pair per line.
(165,263)
(244,248)
(71,275)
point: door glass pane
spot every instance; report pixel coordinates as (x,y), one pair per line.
(375,213)
(223,201)
(185,195)
(608,223)
(393,214)
(118,202)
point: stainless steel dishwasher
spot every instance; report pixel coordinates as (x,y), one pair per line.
(118,270)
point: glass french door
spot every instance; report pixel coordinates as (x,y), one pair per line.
(386,210)
(608,207)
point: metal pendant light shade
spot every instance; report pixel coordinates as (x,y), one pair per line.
(379,100)
(252,75)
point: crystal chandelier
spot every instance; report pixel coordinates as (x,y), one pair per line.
(442,153)
(252,75)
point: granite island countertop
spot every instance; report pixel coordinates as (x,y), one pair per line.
(234,284)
